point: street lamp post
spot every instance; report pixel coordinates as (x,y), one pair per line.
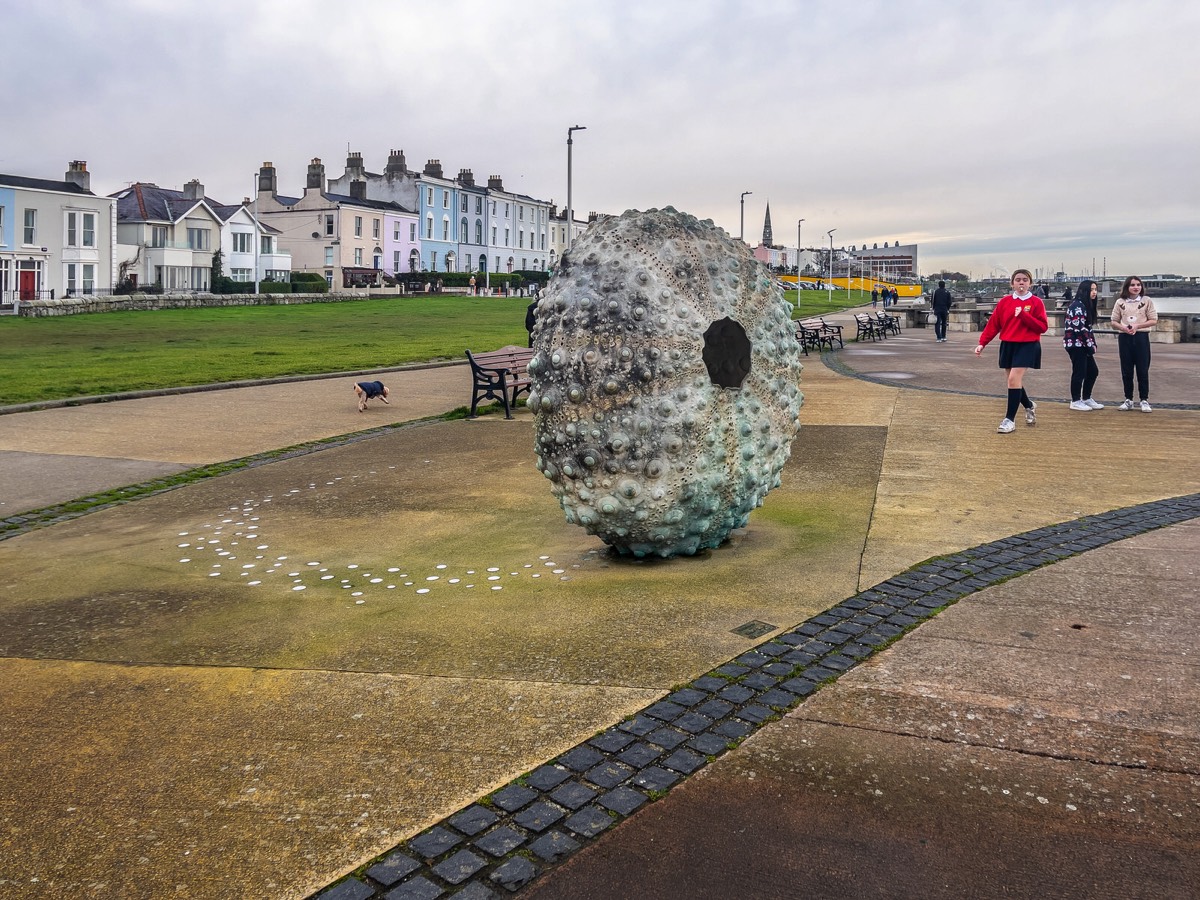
(798,252)
(742,226)
(830,233)
(570,209)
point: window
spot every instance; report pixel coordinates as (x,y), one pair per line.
(329,227)
(507,238)
(375,229)
(521,238)
(445,199)
(1,226)
(412,231)
(396,231)
(89,229)
(464,203)
(521,213)
(478,205)
(463,230)
(241,274)
(478,232)
(358,226)
(158,236)
(433,261)
(468,269)
(329,277)
(429,227)
(395,261)
(329,256)
(543,247)
(199,275)
(445,228)
(70,278)
(506,210)
(494,237)
(264,245)
(358,256)
(30,234)
(72,232)
(524,264)
(243,242)
(429,196)
(198,239)
(278,275)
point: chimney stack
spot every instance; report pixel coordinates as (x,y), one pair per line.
(354,166)
(396,164)
(358,190)
(266,178)
(495,183)
(433,168)
(77,174)
(193,190)
(466,177)
(316,176)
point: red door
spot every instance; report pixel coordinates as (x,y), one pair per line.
(28,286)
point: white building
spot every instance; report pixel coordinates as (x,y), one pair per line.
(247,243)
(57,238)
(166,237)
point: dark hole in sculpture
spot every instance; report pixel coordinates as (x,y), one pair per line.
(727,353)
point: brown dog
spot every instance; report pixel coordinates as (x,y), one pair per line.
(369,390)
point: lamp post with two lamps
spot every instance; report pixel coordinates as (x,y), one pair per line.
(742,226)
(570,209)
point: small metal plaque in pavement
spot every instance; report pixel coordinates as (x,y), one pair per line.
(754,629)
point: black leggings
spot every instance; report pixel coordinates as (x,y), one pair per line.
(1134,350)
(1083,372)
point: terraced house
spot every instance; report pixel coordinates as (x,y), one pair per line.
(57,238)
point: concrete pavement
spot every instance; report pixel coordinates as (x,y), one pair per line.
(183,724)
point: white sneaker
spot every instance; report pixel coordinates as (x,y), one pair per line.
(1127,405)
(1146,406)
(1031,415)
(1081,405)
(1007,426)
(1092,404)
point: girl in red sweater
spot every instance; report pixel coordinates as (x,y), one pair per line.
(1020,320)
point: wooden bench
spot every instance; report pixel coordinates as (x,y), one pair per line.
(887,323)
(499,375)
(866,328)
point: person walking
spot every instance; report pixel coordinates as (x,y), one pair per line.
(1080,344)
(1134,317)
(875,297)
(1020,320)
(942,302)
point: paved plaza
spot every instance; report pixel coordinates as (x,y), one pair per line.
(384,654)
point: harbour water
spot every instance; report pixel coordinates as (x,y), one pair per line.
(1177,305)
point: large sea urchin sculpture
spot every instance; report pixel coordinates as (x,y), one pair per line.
(664,383)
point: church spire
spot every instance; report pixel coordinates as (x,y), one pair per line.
(767,238)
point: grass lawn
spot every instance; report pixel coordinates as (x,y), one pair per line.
(74,356)
(59,357)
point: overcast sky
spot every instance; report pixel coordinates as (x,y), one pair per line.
(993,133)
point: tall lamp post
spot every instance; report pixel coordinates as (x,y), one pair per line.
(830,233)
(798,252)
(570,209)
(742,226)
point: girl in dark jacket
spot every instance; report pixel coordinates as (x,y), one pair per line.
(1080,344)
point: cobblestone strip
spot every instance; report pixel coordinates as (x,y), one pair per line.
(835,364)
(11,526)
(505,840)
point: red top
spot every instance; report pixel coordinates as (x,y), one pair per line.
(1019,321)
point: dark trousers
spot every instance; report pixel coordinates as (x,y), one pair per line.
(1134,350)
(1083,372)
(939,324)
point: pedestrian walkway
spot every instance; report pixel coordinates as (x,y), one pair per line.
(257,684)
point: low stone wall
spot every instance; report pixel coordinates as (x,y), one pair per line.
(70,306)
(1173,328)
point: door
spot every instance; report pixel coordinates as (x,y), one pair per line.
(28,286)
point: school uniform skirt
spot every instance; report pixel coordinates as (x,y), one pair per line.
(1020,354)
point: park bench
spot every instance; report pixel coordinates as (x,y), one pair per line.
(867,328)
(499,375)
(887,323)
(810,337)
(834,332)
